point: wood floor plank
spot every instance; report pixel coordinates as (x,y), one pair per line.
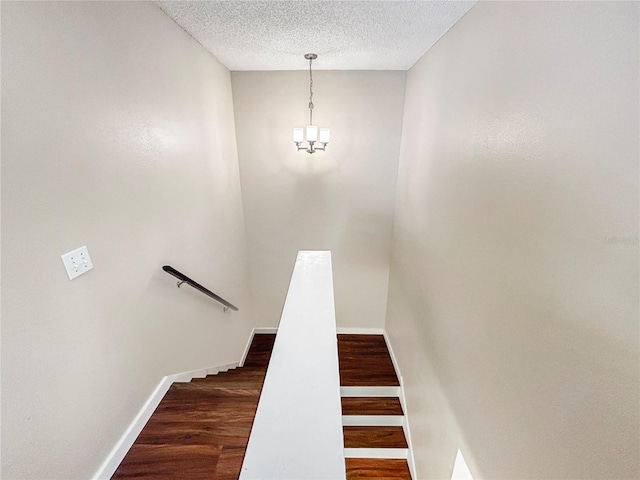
(365,361)
(211,408)
(169,461)
(223,434)
(371,406)
(374,437)
(260,350)
(229,463)
(239,379)
(376,468)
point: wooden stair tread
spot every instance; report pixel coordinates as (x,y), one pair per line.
(374,437)
(168,461)
(365,361)
(260,350)
(190,397)
(248,369)
(377,468)
(216,388)
(196,432)
(371,406)
(238,380)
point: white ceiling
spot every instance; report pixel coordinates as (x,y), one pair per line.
(346,35)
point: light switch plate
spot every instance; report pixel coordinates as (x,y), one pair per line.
(77,262)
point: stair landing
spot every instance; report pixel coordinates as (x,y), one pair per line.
(200,429)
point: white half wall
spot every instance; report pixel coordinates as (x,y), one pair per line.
(340,200)
(514,292)
(117,133)
(297,429)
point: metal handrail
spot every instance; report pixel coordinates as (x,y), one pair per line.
(184,279)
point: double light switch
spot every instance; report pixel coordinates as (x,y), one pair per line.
(77,262)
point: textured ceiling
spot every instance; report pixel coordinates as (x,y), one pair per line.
(346,35)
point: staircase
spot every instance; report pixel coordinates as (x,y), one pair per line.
(201,428)
(372,416)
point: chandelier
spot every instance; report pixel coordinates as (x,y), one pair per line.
(307,138)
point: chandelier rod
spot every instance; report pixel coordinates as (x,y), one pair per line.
(310,91)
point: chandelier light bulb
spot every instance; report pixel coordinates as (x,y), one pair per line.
(312,133)
(325,134)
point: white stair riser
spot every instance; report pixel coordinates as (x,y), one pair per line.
(373,420)
(393,453)
(370,391)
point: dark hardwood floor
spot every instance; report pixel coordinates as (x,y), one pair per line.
(373,468)
(374,437)
(200,429)
(365,362)
(371,406)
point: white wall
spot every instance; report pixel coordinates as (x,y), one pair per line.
(117,133)
(340,200)
(514,276)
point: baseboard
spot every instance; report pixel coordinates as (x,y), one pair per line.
(201,372)
(117,454)
(360,331)
(403,404)
(407,434)
(254,332)
(115,457)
